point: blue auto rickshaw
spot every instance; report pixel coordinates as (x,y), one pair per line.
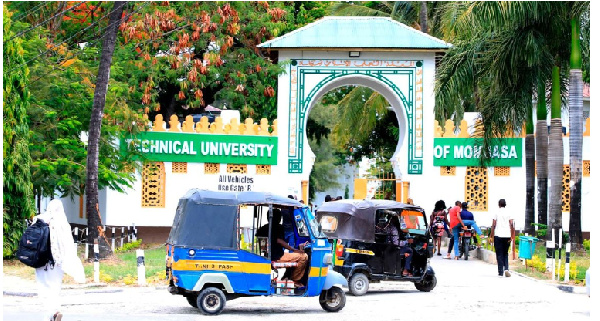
(214,254)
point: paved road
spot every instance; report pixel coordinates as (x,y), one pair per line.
(465,290)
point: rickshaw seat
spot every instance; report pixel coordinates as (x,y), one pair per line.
(282,265)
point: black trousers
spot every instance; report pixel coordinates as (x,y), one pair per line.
(501,245)
(450,244)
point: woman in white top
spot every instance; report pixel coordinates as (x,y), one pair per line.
(503,232)
(64,254)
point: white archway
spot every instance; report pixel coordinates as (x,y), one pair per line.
(377,85)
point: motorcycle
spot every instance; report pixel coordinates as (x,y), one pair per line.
(466,241)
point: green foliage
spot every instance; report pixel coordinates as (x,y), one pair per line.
(542,230)
(586,245)
(17,189)
(129,246)
(324,174)
(62,90)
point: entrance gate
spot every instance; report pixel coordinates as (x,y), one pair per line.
(380,53)
(384,186)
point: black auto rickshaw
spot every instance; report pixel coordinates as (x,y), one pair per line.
(366,252)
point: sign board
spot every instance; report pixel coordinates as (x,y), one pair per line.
(205,148)
(467,152)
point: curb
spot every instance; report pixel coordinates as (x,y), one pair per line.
(563,287)
(30,294)
(21,294)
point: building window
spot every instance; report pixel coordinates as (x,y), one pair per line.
(153,185)
(476,188)
(501,171)
(448,170)
(237,168)
(179,167)
(263,169)
(586,168)
(211,168)
(566,189)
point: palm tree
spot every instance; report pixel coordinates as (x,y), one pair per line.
(421,15)
(529,174)
(358,113)
(555,158)
(575,129)
(541,154)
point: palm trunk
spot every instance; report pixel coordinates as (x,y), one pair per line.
(92,207)
(555,157)
(529,175)
(575,136)
(423,17)
(541,155)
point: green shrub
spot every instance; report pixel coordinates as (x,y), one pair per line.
(586,245)
(129,246)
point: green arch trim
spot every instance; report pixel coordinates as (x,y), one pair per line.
(295,160)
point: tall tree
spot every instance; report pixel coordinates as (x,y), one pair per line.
(529,174)
(575,132)
(555,159)
(541,154)
(17,189)
(92,208)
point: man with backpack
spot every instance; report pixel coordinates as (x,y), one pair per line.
(51,230)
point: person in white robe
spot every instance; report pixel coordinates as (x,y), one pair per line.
(64,254)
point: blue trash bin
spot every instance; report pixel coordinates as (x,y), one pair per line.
(527,247)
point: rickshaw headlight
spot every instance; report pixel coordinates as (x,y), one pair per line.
(192,252)
(327,258)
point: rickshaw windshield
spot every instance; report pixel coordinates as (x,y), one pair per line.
(313,224)
(414,221)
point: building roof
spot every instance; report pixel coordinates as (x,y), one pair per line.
(357,32)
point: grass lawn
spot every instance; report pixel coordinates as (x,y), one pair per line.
(120,269)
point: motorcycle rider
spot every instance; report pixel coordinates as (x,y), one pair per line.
(466,219)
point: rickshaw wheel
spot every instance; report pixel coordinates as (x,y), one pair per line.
(332,300)
(211,301)
(359,284)
(427,284)
(192,300)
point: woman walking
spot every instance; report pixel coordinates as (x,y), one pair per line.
(439,224)
(65,260)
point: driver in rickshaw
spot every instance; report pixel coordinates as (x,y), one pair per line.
(278,243)
(393,229)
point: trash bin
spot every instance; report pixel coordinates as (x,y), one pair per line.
(526,247)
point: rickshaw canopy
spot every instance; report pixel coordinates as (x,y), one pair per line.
(208,219)
(356,218)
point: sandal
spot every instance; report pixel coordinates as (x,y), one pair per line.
(57,316)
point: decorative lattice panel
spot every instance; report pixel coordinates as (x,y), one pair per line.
(448,170)
(237,168)
(179,167)
(501,171)
(476,188)
(566,189)
(153,185)
(263,169)
(211,168)
(586,168)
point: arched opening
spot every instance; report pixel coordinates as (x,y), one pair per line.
(336,136)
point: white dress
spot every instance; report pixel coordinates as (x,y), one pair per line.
(64,253)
